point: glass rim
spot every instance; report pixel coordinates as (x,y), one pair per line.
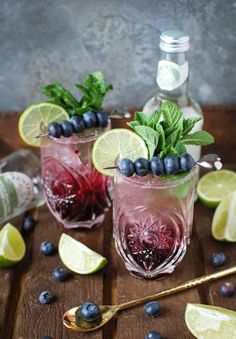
(158,182)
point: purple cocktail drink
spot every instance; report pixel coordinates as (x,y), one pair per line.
(152,221)
(75,192)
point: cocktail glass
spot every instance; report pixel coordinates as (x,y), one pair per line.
(152,218)
(76,194)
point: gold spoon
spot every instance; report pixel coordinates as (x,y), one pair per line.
(109,311)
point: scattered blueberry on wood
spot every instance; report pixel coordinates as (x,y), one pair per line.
(45,297)
(60,274)
(227,289)
(28,225)
(218,259)
(153,335)
(152,309)
(47,248)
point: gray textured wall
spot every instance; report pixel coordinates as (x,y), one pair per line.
(49,40)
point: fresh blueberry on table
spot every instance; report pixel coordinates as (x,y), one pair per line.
(218,259)
(102,119)
(227,289)
(60,274)
(45,297)
(126,167)
(186,162)
(171,164)
(157,166)
(67,128)
(46,337)
(55,130)
(28,225)
(77,123)
(153,335)
(90,311)
(90,119)
(47,248)
(141,166)
(152,309)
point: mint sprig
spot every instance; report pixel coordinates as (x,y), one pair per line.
(167,132)
(93,92)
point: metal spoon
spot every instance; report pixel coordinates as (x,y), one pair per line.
(109,311)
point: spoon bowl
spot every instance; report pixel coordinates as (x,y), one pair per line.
(107,311)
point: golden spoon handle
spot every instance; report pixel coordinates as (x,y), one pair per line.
(189,284)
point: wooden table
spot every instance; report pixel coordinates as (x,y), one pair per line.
(21,315)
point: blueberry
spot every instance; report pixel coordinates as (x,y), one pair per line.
(153,335)
(141,166)
(102,119)
(60,274)
(90,119)
(47,248)
(218,259)
(186,162)
(28,225)
(126,167)
(171,164)
(67,128)
(45,297)
(227,289)
(46,337)
(77,123)
(55,130)
(152,309)
(90,311)
(157,166)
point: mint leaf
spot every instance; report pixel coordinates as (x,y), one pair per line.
(169,150)
(150,136)
(133,124)
(180,148)
(171,113)
(189,123)
(161,135)
(141,118)
(154,119)
(198,138)
(174,137)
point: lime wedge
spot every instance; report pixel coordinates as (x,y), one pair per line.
(119,142)
(31,119)
(224,221)
(79,258)
(210,322)
(214,186)
(12,246)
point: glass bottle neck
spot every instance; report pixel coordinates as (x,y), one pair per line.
(172,76)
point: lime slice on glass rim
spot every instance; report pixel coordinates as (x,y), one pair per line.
(210,322)
(79,258)
(35,116)
(119,142)
(12,246)
(224,221)
(214,186)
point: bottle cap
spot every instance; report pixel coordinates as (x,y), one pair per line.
(173,41)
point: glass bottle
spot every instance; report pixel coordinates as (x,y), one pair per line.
(20,184)
(172,80)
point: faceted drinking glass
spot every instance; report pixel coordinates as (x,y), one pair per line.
(76,194)
(152,220)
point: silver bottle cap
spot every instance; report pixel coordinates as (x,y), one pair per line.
(173,41)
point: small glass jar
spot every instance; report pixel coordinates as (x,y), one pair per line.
(152,219)
(76,194)
(20,184)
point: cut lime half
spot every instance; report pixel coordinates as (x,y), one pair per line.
(12,246)
(214,186)
(224,221)
(31,119)
(117,143)
(210,322)
(79,258)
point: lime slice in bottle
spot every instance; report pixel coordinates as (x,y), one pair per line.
(79,258)
(12,246)
(210,322)
(119,142)
(214,186)
(31,119)
(224,221)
